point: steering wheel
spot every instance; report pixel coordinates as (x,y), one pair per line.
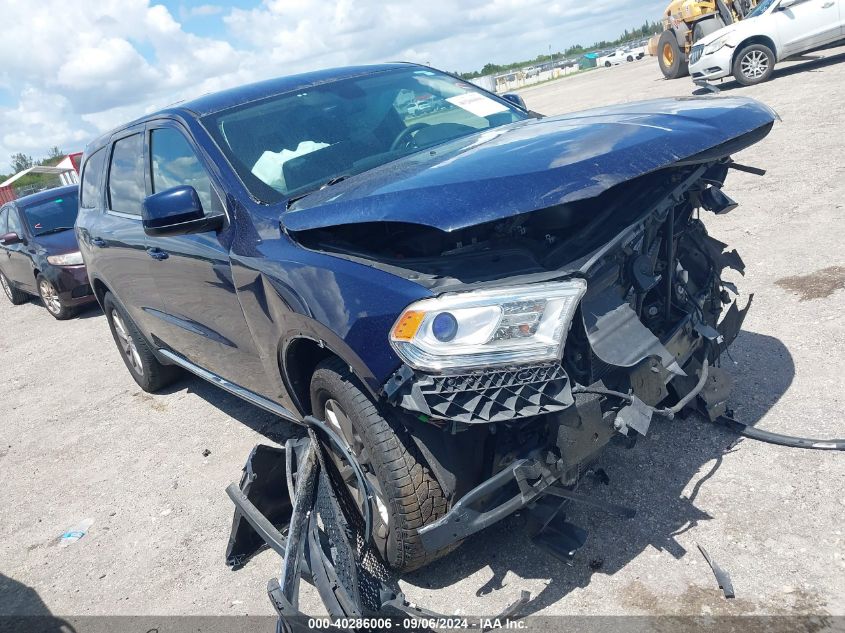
(405,134)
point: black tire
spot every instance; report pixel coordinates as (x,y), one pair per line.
(15,296)
(607,64)
(706,27)
(409,494)
(148,372)
(754,64)
(673,61)
(630,58)
(50,299)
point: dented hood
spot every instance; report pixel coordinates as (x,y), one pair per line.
(534,164)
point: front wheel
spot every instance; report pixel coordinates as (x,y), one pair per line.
(407,496)
(147,371)
(15,296)
(754,64)
(51,300)
(672,59)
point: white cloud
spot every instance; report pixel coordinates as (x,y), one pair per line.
(76,69)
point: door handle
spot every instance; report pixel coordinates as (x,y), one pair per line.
(157,254)
(827,5)
(98,242)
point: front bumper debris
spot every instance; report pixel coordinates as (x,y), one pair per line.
(292,500)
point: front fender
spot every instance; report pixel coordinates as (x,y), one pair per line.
(288,293)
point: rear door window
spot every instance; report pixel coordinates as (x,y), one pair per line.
(92,179)
(174,163)
(15,225)
(126,176)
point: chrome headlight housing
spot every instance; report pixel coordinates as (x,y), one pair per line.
(68,259)
(483,328)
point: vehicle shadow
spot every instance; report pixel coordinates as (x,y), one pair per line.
(779,73)
(86,311)
(22,610)
(271,426)
(651,478)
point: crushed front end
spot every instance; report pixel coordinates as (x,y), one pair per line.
(535,374)
(573,293)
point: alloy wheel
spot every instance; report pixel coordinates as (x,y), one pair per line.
(6,288)
(337,418)
(49,296)
(127,344)
(754,64)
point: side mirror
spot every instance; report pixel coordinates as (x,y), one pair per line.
(515,99)
(10,238)
(177,211)
(785,4)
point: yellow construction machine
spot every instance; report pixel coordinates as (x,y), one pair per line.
(687,21)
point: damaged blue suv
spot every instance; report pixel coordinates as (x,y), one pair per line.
(475,297)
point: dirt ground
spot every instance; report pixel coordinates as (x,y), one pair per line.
(79,440)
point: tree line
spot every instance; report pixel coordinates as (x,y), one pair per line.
(20,161)
(648,29)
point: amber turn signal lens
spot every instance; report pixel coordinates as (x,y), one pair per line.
(407,326)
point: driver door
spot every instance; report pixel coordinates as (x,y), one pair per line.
(193,273)
(18,265)
(807,24)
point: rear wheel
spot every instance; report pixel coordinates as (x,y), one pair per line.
(407,496)
(671,58)
(15,296)
(754,64)
(51,300)
(148,372)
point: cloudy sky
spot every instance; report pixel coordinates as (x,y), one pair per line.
(70,69)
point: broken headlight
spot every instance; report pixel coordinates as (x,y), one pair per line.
(718,44)
(521,324)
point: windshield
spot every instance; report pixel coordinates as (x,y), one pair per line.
(294,143)
(53,214)
(761,8)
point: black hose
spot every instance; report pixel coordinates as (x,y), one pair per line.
(754,433)
(669,412)
(702,381)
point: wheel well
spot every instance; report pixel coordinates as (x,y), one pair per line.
(757,39)
(100,290)
(299,359)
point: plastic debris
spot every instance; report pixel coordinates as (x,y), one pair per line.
(75,533)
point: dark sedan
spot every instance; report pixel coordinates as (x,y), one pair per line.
(39,254)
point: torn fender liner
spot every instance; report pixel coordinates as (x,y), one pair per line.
(492,395)
(618,337)
(264,469)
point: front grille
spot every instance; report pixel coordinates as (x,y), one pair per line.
(493,395)
(696,53)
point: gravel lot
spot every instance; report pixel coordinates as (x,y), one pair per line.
(79,440)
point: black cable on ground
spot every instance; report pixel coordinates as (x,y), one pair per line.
(754,433)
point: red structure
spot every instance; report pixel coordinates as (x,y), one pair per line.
(70,164)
